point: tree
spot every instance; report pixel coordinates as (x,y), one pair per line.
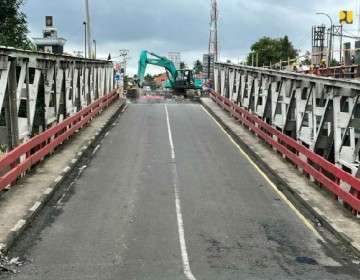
(269,50)
(126,82)
(306,60)
(149,80)
(183,65)
(13,25)
(198,67)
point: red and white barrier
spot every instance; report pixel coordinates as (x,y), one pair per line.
(43,144)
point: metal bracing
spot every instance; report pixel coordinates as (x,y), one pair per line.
(321,113)
(46,89)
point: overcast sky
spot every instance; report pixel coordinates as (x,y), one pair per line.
(163,26)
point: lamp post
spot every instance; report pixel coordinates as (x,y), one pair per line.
(94,41)
(331,33)
(85,38)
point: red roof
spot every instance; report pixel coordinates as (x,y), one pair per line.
(161,78)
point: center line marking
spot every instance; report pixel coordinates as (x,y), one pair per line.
(180,222)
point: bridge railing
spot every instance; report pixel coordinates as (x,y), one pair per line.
(21,159)
(39,90)
(322,171)
(347,72)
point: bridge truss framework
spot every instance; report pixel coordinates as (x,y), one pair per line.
(62,84)
(321,113)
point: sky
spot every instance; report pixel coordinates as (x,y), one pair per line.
(163,26)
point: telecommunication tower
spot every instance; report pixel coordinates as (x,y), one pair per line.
(213,41)
(175,58)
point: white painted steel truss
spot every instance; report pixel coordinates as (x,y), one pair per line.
(321,113)
(65,83)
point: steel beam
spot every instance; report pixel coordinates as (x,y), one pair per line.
(69,85)
(320,112)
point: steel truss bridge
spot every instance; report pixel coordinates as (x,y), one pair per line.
(318,118)
(320,113)
(39,90)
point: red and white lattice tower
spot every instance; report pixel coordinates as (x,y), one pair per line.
(213,41)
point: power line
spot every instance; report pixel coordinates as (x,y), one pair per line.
(80,27)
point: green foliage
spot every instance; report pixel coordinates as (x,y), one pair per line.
(183,65)
(306,59)
(271,50)
(334,62)
(198,67)
(149,80)
(126,82)
(13,25)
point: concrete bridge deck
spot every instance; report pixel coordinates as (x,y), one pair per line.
(22,202)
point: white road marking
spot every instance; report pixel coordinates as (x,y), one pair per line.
(81,169)
(184,254)
(36,206)
(284,198)
(95,150)
(19,225)
(123,110)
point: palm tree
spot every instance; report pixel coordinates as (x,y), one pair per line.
(183,65)
(198,67)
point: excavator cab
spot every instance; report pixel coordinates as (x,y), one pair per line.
(184,79)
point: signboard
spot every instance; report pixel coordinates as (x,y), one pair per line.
(346,17)
(48,49)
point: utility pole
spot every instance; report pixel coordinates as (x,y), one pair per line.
(94,41)
(123,54)
(213,40)
(88,29)
(85,39)
(78,53)
(331,37)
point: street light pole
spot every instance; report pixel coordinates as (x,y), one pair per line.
(123,54)
(88,29)
(331,37)
(85,38)
(94,41)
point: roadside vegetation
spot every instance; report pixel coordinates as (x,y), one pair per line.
(13,25)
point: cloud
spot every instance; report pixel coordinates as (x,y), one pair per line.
(164,26)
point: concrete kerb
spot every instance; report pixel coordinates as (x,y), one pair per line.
(264,165)
(22,224)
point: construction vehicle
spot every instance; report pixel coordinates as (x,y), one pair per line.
(182,82)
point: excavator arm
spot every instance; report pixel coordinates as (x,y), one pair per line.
(158,61)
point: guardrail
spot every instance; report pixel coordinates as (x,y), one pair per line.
(347,72)
(323,172)
(22,158)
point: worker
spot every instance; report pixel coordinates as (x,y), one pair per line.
(207,86)
(323,63)
(317,70)
(294,68)
(301,69)
(311,69)
(339,72)
(353,68)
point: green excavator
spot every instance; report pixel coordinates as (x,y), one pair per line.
(182,82)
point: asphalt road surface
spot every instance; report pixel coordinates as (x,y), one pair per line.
(168,195)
